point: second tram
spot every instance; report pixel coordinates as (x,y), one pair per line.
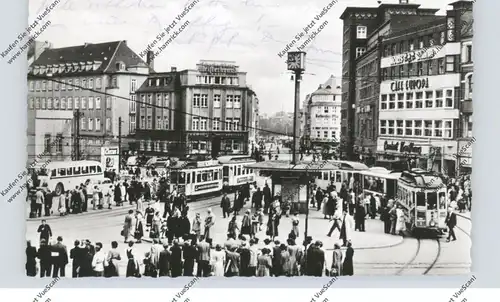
(234,171)
(422,194)
(343,173)
(380,181)
(196,178)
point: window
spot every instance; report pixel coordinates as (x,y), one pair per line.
(166,101)
(409,100)
(84,83)
(448,129)
(49,85)
(109,102)
(143,123)
(392,101)
(237,101)
(229,101)
(216,100)
(229,124)
(77,84)
(402,71)
(114,82)
(438,128)
(361,32)
(133,85)
(70,103)
(418,99)
(216,124)
(420,69)
(63,85)
(98,124)
(149,124)
(421,42)
(37,103)
(411,69)
(46,143)
(91,102)
(401,100)
(77,103)
(132,103)
(91,83)
(411,45)
(83,123)
(108,124)
(49,102)
(204,101)
(468,87)
(44,85)
(428,128)
(399,127)
(84,103)
(159,122)
(150,100)
(402,46)
(360,51)
(468,54)
(31,103)
(196,124)
(37,85)
(409,128)
(63,103)
(70,84)
(236,123)
(383,102)
(59,145)
(428,99)
(325,109)
(196,100)
(97,103)
(91,124)
(392,72)
(417,128)
(431,40)
(165,123)
(450,64)
(158,100)
(449,98)
(318,134)
(441,66)
(44,104)
(383,127)
(131,125)
(203,124)
(98,83)
(390,129)
(439,99)
(56,103)
(56,86)
(32,85)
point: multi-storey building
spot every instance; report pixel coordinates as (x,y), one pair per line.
(91,82)
(362,27)
(462,11)
(420,95)
(322,115)
(212,107)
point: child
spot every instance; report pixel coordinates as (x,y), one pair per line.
(163,231)
(150,212)
(295,225)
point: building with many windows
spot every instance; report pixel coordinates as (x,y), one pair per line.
(321,115)
(212,107)
(420,95)
(89,84)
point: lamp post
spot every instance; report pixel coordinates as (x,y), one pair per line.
(296,63)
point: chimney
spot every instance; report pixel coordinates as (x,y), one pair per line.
(173,69)
(150,59)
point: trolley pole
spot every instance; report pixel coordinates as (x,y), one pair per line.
(307,205)
(119,144)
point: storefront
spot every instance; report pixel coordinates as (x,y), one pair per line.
(464,156)
(224,143)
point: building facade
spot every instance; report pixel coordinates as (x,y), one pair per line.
(322,115)
(88,84)
(214,112)
(362,28)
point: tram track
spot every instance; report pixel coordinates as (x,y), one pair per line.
(420,257)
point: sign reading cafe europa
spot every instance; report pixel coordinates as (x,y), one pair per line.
(409,85)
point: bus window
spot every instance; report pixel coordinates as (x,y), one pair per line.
(69,171)
(53,173)
(85,170)
(431,200)
(420,199)
(99,170)
(442,201)
(62,172)
(338,176)
(93,169)
(76,171)
(225,170)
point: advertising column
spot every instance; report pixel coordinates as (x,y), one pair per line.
(110,158)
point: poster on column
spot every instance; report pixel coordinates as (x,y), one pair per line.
(110,158)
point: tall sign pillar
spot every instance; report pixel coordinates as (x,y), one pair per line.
(296,63)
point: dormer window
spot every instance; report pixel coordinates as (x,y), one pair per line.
(88,66)
(61,68)
(120,66)
(96,65)
(82,66)
(36,70)
(150,82)
(42,69)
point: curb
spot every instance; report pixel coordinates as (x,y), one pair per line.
(90,212)
(463,216)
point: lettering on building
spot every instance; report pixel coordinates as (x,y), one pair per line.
(409,85)
(214,69)
(415,56)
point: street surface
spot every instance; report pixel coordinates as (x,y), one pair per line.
(376,253)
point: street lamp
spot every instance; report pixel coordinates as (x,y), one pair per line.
(296,62)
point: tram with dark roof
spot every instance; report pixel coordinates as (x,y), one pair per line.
(235,173)
(196,178)
(422,196)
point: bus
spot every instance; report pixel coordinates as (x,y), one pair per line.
(62,176)
(234,171)
(380,181)
(422,195)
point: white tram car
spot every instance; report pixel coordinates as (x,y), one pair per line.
(380,181)
(422,194)
(234,171)
(341,172)
(196,178)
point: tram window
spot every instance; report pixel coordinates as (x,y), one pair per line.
(182,178)
(232,170)
(357,176)
(391,187)
(420,199)
(198,177)
(76,171)
(210,175)
(226,171)
(69,171)
(62,172)
(442,200)
(412,201)
(93,169)
(239,170)
(338,176)
(431,200)
(192,177)
(216,175)
(332,175)
(188,179)
(85,170)
(325,175)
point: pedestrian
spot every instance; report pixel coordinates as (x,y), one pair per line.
(348,266)
(176,259)
(133,262)
(295,225)
(286,263)
(217,260)
(189,254)
(209,223)
(127,226)
(112,261)
(203,249)
(59,258)
(336,222)
(337,263)
(264,263)
(232,268)
(40,201)
(164,261)
(246,224)
(149,212)
(98,261)
(225,204)
(31,269)
(48,202)
(451,222)
(44,254)
(254,220)
(400,221)
(139,227)
(359,217)
(196,227)
(276,259)
(386,218)
(45,231)
(315,260)
(394,218)
(76,254)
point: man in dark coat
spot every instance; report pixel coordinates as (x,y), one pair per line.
(257,199)
(244,259)
(59,258)
(315,260)
(44,254)
(267,198)
(176,259)
(84,198)
(117,195)
(451,222)
(233,263)
(359,217)
(77,255)
(48,202)
(164,262)
(276,261)
(45,231)
(386,218)
(225,204)
(319,198)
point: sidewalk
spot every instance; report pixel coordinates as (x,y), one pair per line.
(55,215)
(465,215)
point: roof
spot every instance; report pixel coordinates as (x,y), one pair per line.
(423,179)
(69,164)
(307,166)
(108,54)
(235,159)
(382,173)
(168,78)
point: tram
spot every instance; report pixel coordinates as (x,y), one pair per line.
(422,194)
(196,178)
(380,181)
(342,173)
(234,171)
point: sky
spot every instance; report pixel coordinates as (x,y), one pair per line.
(249,32)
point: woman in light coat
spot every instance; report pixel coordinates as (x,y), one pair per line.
(337,261)
(217,260)
(400,220)
(264,263)
(324,207)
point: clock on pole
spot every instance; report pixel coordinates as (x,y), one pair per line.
(296,61)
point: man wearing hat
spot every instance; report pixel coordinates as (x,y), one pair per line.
(315,260)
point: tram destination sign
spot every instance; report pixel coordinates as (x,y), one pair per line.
(208,186)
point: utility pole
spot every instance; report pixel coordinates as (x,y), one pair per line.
(119,144)
(77,115)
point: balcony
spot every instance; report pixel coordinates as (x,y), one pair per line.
(466,106)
